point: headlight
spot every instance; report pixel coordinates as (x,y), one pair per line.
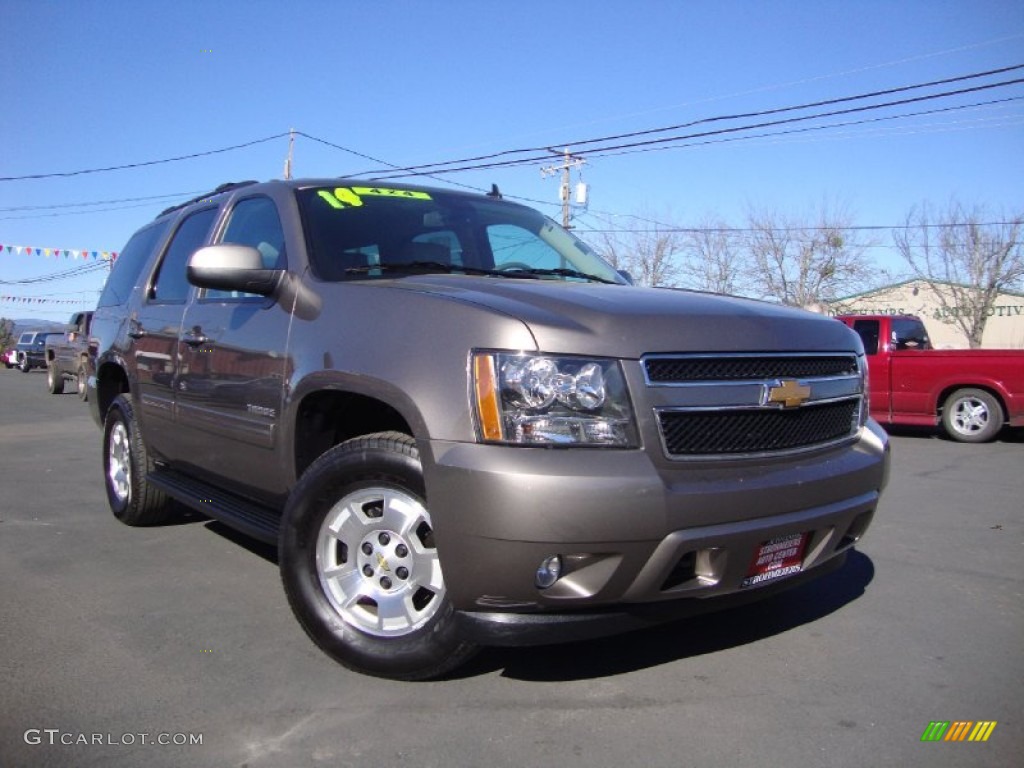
(865,403)
(541,400)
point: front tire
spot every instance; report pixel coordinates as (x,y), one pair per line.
(83,381)
(972,416)
(125,465)
(54,380)
(360,566)
(24,364)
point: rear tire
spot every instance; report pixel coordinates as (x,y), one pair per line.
(23,364)
(972,416)
(54,380)
(125,465)
(360,566)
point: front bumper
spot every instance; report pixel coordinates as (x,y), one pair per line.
(632,531)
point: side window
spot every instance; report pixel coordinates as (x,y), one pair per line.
(124,275)
(868,331)
(514,246)
(255,222)
(170,282)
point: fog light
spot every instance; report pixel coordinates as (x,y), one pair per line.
(549,571)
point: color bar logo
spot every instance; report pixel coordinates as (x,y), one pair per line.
(958,730)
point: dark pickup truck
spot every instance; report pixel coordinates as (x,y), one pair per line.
(973,393)
(67,355)
(462,427)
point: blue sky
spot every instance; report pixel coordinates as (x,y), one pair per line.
(87,85)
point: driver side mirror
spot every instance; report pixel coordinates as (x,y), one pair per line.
(232,268)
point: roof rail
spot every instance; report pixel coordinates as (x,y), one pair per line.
(222,188)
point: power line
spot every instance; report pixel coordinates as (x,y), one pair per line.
(142,164)
(440,166)
(73,272)
(604,151)
(830,126)
(98,202)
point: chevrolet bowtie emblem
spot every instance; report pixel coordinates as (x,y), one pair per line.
(789,393)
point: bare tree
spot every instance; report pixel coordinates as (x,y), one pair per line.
(804,263)
(712,259)
(647,252)
(967,260)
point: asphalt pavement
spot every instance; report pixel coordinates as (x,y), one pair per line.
(175,645)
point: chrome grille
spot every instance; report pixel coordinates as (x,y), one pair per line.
(736,405)
(670,370)
(720,433)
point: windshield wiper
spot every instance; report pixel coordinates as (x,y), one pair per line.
(437,266)
(563,272)
(432,266)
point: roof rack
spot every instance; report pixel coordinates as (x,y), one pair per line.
(222,188)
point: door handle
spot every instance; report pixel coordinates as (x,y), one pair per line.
(195,337)
(135,329)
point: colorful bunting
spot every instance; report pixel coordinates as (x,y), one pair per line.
(30,250)
(33,300)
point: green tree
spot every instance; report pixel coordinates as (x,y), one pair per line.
(6,333)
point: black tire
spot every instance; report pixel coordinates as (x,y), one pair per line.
(125,465)
(972,416)
(54,380)
(24,365)
(359,512)
(83,380)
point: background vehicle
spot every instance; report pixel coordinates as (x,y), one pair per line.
(67,355)
(461,426)
(971,392)
(31,349)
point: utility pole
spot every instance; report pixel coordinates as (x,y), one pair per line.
(569,162)
(291,152)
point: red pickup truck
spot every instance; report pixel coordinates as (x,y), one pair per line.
(972,392)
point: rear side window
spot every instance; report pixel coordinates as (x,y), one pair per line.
(126,270)
(170,282)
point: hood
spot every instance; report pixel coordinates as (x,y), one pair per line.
(628,322)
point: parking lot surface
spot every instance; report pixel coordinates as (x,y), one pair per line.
(175,645)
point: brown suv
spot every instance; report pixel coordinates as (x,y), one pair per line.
(462,427)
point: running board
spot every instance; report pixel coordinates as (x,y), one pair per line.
(252,519)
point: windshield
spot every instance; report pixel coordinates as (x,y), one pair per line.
(359,233)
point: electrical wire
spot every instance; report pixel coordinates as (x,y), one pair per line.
(67,274)
(441,165)
(604,151)
(142,164)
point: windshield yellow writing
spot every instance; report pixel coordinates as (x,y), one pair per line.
(352,197)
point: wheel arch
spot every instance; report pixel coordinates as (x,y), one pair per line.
(111,381)
(327,417)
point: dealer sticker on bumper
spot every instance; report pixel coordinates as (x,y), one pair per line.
(776,558)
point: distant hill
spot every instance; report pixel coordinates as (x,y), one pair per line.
(20,326)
